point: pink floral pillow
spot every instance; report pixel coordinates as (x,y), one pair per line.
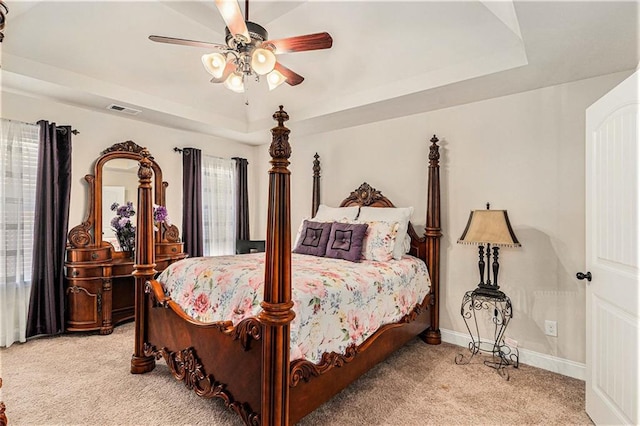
(380,240)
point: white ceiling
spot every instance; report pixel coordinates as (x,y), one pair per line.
(389,58)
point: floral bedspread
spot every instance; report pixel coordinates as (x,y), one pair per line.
(337,303)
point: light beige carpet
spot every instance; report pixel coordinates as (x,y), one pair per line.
(85,380)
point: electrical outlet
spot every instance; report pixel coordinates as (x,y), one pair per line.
(551,328)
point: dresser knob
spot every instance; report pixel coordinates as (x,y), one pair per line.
(174,249)
(75,273)
(94,256)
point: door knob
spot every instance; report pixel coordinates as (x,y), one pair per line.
(582,276)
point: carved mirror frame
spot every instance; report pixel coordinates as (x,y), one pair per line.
(89,232)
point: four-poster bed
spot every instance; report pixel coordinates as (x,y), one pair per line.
(248,364)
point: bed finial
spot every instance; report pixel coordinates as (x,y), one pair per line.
(434,149)
(145,171)
(280,148)
(281,116)
(316,165)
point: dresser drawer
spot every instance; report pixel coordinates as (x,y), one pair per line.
(92,254)
(168,249)
(84,271)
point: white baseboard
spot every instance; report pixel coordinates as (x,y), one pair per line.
(535,359)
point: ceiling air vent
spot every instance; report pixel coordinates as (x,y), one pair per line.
(124,110)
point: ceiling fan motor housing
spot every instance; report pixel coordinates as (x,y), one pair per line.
(257,33)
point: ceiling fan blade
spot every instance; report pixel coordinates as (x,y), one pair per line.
(232,16)
(293,79)
(228,69)
(184,42)
(301,43)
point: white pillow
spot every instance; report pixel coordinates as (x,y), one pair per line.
(390,214)
(335,214)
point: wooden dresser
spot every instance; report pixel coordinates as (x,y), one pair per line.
(100,291)
(100,288)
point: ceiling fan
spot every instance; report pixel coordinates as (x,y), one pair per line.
(248,51)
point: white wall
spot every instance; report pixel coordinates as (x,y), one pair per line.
(101,130)
(523,153)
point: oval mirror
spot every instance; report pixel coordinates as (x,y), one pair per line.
(115,180)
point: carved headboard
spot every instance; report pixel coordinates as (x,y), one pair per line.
(367,196)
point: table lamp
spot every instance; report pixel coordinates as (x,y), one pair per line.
(490,227)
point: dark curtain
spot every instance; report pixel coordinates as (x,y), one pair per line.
(53,192)
(242,199)
(192,225)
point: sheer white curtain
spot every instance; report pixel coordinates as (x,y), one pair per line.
(219,206)
(18,175)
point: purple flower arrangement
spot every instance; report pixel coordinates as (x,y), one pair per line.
(160,215)
(124,227)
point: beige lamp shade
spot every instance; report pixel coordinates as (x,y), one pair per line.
(489,227)
(235,82)
(263,61)
(214,63)
(275,78)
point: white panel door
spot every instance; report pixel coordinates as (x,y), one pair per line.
(613,299)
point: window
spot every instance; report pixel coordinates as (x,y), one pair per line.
(18,176)
(219,206)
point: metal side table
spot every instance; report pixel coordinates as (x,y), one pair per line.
(498,305)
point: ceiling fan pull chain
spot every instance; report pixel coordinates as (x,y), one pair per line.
(246,10)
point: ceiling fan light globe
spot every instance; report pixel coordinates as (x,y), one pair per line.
(235,82)
(214,63)
(274,79)
(263,61)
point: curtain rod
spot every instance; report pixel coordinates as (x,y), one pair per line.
(179,151)
(74,131)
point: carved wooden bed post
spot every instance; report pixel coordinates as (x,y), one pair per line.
(277,313)
(433,234)
(315,202)
(144,263)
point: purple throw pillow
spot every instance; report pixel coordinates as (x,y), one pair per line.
(313,238)
(345,241)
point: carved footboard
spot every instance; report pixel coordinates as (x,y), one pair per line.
(214,360)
